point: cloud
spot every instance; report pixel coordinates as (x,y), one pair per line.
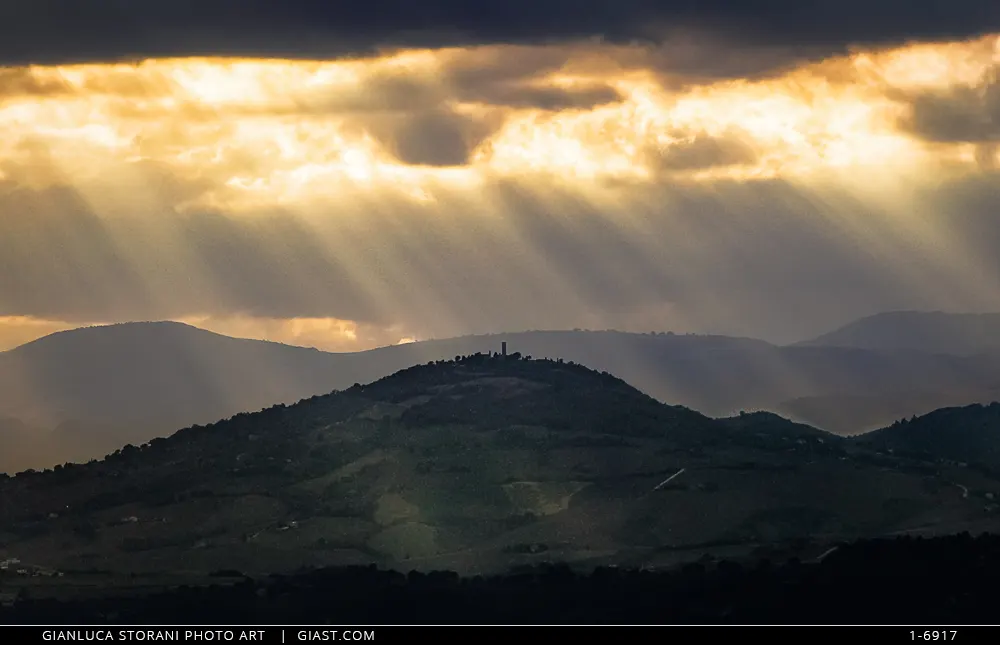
(510,76)
(433,193)
(700,151)
(502,77)
(56,31)
(378,93)
(24,82)
(685,57)
(968,114)
(433,138)
(545,98)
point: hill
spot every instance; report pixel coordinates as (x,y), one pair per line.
(474,465)
(170,374)
(90,391)
(839,389)
(770,423)
(968,434)
(935,332)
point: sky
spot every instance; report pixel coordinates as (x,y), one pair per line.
(358,174)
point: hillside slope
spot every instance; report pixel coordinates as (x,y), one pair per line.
(472,465)
(968,434)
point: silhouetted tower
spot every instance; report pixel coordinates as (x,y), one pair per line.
(503,348)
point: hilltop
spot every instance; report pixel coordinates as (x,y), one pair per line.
(968,434)
(165,373)
(475,464)
(771,423)
(87,392)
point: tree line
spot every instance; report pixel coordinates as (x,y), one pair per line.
(903,580)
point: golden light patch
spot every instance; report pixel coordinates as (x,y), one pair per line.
(248,134)
(18,330)
(930,66)
(308,332)
(326,334)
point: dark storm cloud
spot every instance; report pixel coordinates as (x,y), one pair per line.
(517,88)
(544,98)
(503,77)
(43,31)
(703,151)
(379,93)
(686,58)
(962,114)
(433,138)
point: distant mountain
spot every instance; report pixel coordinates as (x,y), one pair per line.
(98,388)
(164,374)
(935,332)
(969,434)
(472,465)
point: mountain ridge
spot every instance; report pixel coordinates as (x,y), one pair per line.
(135,381)
(932,331)
(474,464)
(77,332)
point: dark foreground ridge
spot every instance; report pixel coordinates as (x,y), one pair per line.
(904,580)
